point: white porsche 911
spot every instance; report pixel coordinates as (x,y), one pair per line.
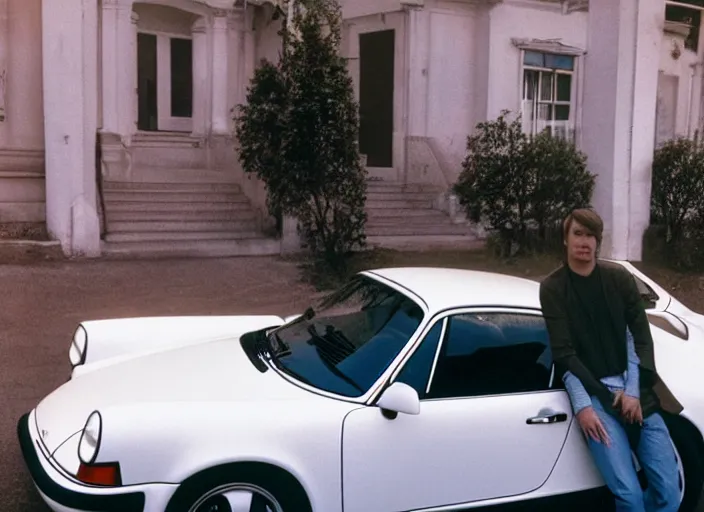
(407,389)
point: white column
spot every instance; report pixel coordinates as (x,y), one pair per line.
(200,76)
(246,50)
(70,75)
(418,62)
(220,62)
(126,65)
(134,18)
(118,61)
(618,131)
(3,57)
(109,68)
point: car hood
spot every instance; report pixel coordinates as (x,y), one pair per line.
(218,371)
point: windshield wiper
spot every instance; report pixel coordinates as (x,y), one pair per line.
(325,358)
(282,348)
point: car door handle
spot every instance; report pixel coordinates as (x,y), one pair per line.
(546,419)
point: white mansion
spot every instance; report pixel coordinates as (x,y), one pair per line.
(116,129)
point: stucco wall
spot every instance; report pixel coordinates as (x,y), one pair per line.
(22,133)
(268,41)
(452,73)
(159,18)
(680,72)
(507,21)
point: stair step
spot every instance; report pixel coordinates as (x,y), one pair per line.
(166,139)
(399,203)
(176,197)
(255,246)
(174,207)
(400,213)
(172,187)
(399,196)
(153,226)
(181,216)
(386,186)
(417,230)
(425,243)
(199,236)
(433,217)
(171,174)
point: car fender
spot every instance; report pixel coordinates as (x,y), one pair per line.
(169,443)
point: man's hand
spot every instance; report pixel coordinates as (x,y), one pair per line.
(631,409)
(592,426)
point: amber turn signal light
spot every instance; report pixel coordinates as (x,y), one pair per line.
(100,474)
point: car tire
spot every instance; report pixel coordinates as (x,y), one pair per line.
(275,482)
(688,442)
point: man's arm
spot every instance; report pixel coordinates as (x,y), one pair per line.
(633,373)
(563,351)
(637,322)
(579,398)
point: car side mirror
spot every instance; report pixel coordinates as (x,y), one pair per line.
(399,398)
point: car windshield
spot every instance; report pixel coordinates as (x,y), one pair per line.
(345,344)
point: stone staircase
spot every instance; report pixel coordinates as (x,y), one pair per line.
(181,219)
(402,217)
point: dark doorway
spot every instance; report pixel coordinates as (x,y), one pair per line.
(147,119)
(181,77)
(376,97)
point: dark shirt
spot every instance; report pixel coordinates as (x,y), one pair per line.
(569,332)
(606,354)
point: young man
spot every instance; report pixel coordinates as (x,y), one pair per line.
(602,345)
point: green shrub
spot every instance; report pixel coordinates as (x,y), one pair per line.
(316,173)
(260,129)
(677,196)
(521,187)
(561,184)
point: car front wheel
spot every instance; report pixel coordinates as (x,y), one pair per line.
(240,488)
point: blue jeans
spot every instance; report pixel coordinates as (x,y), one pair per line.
(655,455)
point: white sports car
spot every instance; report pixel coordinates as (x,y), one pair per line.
(407,389)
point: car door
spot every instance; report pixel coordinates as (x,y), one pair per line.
(492,422)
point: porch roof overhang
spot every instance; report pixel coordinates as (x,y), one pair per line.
(583,5)
(547,45)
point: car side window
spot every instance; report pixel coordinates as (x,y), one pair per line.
(416,371)
(493,354)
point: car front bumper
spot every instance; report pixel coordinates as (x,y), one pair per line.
(65,494)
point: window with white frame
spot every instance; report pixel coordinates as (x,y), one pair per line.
(548,94)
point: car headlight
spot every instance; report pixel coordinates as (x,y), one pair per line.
(77,352)
(89,444)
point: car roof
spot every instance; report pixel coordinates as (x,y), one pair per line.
(445,288)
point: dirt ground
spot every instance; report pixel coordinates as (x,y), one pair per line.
(42,302)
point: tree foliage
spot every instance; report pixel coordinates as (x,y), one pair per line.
(521,187)
(300,135)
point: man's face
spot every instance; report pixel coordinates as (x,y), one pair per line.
(581,244)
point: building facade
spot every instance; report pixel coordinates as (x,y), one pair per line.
(116,116)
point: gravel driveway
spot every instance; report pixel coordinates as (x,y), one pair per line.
(43,302)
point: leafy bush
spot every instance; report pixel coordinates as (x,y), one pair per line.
(493,185)
(562,183)
(676,234)
(677,196)
(326,179)
(260,131)
(315,171)
(521,187)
